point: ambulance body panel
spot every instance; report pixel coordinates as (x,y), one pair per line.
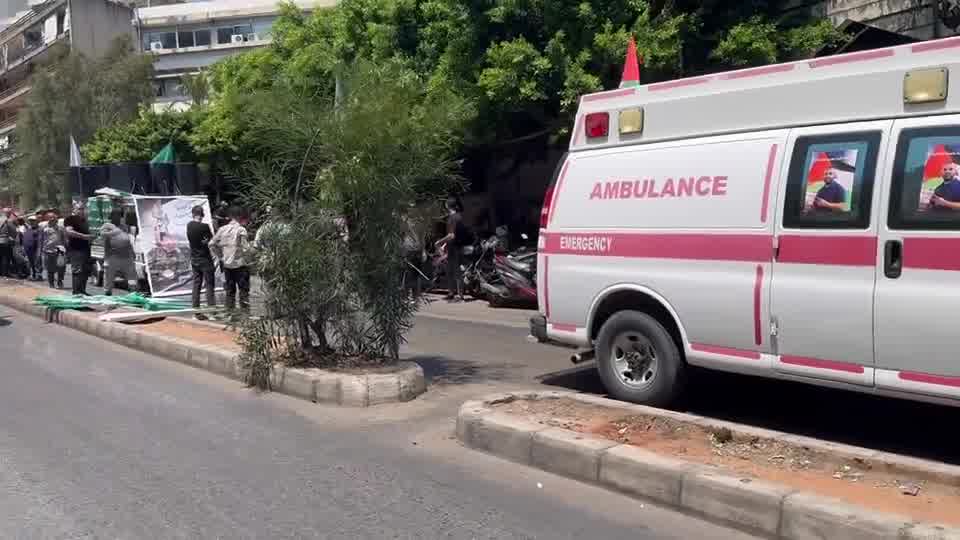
(796,227)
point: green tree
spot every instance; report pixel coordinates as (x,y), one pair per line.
(197,86)
(141,138)
(82,96)
(334,290)
(522,64)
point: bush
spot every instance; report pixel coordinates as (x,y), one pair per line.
(340,179)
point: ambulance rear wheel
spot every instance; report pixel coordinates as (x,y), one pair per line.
(638,360)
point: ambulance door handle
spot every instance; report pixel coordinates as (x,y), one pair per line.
(893,259)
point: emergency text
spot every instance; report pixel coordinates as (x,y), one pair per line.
(591,244)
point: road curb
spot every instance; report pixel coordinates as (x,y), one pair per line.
(403,384)
(755,506)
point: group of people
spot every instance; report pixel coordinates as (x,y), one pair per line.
(229,248)
(27,248)
(226,246)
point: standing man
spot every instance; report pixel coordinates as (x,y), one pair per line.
(458,236)
(232,246)
(78,247)
(31,247)
(947,195)
(832,197)
(54,245)
(8,238)
(199,235)
(118,254)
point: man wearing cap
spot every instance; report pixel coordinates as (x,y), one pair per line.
(31,247)
(78,247)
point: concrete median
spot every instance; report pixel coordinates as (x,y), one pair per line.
(753,505)
(400,383)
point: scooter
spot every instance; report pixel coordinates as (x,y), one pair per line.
(480,269)
(513,279)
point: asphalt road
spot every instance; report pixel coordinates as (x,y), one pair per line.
(98,441)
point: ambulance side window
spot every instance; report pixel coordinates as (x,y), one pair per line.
(926,180)
(831,178)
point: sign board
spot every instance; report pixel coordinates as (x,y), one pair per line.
(162,240)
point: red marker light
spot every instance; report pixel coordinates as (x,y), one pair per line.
(545,209)
(598,125)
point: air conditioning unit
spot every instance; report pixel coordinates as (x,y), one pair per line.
(253,37)
(236,38)
(156,46)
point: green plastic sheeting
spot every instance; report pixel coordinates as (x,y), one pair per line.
(130,300)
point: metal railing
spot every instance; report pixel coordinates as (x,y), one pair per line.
(8,122)
(24,84)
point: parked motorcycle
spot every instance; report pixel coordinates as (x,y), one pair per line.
(504,278)
(479,267)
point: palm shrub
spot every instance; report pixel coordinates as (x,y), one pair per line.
(340,178)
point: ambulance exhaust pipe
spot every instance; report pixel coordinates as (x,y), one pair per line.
(580,357)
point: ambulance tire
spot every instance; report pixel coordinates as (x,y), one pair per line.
(669,377)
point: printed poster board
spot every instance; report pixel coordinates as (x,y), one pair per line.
(162,241)
(831,176)
(940,184)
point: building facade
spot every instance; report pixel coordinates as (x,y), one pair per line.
(10,8)
(918,19)
(28,39)
(190,37)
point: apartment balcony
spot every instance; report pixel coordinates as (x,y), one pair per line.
(15,94)
(8,124)
(21,57)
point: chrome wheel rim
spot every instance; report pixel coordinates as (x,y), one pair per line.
(634,359)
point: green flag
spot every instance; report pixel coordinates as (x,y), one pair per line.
(165,155)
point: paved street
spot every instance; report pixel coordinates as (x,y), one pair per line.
(470,348)
(98,441)
(478,353)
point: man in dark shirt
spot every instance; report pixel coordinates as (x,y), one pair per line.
(199,235)
(831,197)
(31,247)
(947,195)
(78,248)
(458,236)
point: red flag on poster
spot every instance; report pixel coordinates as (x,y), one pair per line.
(821,164)
(935,162)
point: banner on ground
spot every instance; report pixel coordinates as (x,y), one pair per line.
(162,240)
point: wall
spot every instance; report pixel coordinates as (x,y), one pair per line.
(915,18)
(191,61)
(95,24)
(8,8)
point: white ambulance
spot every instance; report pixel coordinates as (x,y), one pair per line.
(799,221)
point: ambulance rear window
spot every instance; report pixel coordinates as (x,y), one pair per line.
(925,189)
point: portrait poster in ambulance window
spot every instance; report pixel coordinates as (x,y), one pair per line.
(833,174)
(940,184)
